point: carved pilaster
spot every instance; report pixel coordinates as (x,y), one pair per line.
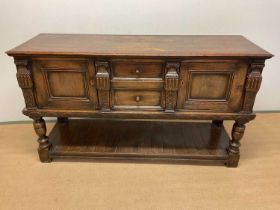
(25,82)
(103,85)
(252,86)
(171,86)
(233,150)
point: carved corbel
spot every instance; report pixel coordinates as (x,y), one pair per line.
(252,86)
(25,82)
(103,84)
(171,85)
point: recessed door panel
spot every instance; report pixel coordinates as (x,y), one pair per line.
(212,85)
(64,83)
(209,85)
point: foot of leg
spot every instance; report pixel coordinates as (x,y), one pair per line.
(44,145)
(233,150)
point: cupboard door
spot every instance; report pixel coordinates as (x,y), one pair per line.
(64,83)
(212,86)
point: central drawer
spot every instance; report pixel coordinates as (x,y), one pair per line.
(137,84)
(138,68)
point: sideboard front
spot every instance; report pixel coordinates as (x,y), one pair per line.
(139,84)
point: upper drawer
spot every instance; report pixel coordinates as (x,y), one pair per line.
(138,68)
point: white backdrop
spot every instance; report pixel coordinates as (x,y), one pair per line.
(258,20)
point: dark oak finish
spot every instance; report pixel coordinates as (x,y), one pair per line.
(140,77)
(138,68)
(140,45)
(43,140)
(213,85)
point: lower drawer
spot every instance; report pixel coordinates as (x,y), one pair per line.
(150,99)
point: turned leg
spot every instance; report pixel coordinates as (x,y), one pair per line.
(44,145)
(62,119)
(217,123)
(233,150)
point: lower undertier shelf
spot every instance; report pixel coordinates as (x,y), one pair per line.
(110,140)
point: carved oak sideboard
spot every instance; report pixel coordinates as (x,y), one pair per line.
(119,97)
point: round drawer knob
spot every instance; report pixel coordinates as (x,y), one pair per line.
(137,98)
(137,71)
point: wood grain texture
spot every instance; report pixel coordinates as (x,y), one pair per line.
(139,45)
(150,141)
(141,114)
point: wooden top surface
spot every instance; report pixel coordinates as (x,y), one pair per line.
(140,45)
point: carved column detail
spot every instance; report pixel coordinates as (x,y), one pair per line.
(171,86)
(44,145)
(233,150)
(25,82)
(252,86)
(103,85)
